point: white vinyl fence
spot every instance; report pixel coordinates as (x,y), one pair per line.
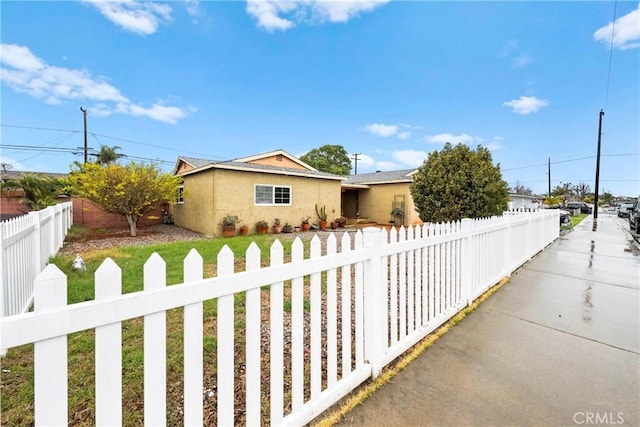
(26,243)
(370,297)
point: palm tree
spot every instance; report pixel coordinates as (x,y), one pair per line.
(108,155)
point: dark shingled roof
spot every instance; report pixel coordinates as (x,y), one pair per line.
(197,162)
(381,177)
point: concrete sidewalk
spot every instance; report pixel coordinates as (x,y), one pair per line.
(557,345)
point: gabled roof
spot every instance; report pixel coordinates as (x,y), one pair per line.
(388,177)
(252,164)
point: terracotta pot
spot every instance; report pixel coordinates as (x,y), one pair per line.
(262,230)
(277,229)
(305,226)
(244,230)
(334,225)
(323,225)
(228,230)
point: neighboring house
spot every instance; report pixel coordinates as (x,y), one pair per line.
(376,195)
(261,187)
(517,201)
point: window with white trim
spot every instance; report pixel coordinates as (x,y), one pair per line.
(180,198)
(272,195)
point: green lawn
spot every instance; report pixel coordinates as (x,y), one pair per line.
(575,220)
(17,366)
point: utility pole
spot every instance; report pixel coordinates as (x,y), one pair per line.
(595,200)
(549,173)
(355,157)
(86,149)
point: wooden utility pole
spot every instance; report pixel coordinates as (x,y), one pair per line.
(355,157)
(595,201)
(549,173)
(86,148)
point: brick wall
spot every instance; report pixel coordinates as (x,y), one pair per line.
(92,216)
(84,213)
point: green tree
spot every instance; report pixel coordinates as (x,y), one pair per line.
(563,191)
(329,158)
(458,182)
(39,190)
(605,198)
(581,189)
(132,190)
(108,155)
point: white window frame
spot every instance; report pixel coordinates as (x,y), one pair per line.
(180,197)
(273,195)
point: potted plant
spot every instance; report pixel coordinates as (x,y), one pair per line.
(229,225)
(322,216)
(287,228)
(262,227)
(341,221)
(244,230)
(277,227)
(304,225)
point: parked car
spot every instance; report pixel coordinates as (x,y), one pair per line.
(623,210)
(634,213)
(584,208)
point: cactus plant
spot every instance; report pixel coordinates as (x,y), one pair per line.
(322,213)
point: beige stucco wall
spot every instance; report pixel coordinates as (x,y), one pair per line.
(214,193)
(197,210)
(376,203)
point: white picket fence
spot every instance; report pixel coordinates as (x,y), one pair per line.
(26,243)
(369,299)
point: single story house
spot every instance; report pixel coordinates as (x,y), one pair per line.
(517,201)
(260,187)
(383,197)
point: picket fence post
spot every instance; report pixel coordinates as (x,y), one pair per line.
(225,346)
(108,349)
(50,356)
(467,260)
(253,340)
(276,348)
(155,347)
(373,302)
(193,340)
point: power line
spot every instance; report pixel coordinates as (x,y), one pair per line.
(570,160)
(210,156)
(75,151)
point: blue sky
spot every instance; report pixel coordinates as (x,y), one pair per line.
(392,81)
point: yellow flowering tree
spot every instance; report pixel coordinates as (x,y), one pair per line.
(132,190)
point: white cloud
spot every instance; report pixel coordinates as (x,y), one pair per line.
(26,73)
(526,104)
(285,14)
(140,17)
(521,61)
(193,8)
(404,135)
(626,34)
(443,138)
(493,146)
(364,162)
(410,158)
(379,129)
